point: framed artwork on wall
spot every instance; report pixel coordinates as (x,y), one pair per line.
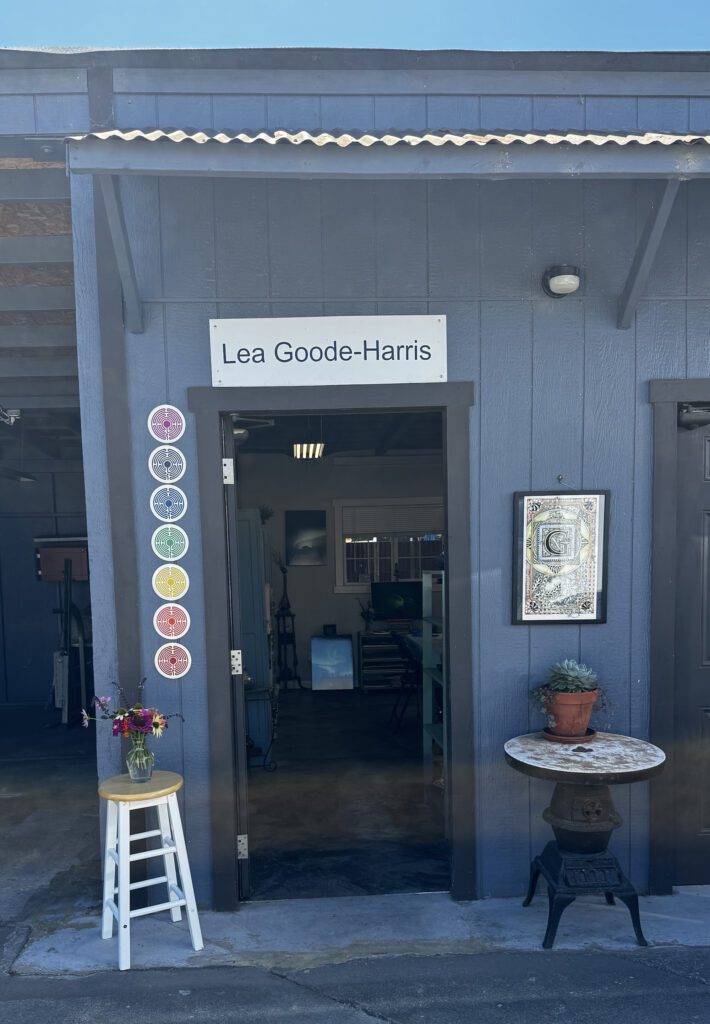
(560,556)
(305,538)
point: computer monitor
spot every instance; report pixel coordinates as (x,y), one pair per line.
(397,600)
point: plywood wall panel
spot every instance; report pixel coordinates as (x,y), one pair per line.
(454,239)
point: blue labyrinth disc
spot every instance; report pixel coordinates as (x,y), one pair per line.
(168,503)
(170,543)
(167,464)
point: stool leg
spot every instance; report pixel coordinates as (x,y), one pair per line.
(124,882)
(185,876)
(109,869)
(168,858)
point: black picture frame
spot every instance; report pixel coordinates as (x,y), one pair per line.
(522,612)
(305,538)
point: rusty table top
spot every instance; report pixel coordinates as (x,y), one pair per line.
(605,759)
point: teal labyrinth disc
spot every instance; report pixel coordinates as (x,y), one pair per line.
(168,503)
(170,543)
(167,464)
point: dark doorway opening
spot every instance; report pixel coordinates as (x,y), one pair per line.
(340,567)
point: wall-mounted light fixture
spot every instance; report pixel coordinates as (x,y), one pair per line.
(561,280)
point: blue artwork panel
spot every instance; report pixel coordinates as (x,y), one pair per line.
(332,662)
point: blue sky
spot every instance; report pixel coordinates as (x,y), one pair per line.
(465,24)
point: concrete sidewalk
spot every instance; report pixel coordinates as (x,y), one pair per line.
(302,934)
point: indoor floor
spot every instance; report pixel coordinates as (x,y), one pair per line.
(346,811)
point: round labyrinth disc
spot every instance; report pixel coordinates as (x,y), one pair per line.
(171,621)
(170,543)
(166,423)
(167,464)
(172,660)
(168,503)
(170,582)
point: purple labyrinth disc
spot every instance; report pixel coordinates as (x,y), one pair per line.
(166,423)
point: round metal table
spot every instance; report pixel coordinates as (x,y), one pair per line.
(582,816)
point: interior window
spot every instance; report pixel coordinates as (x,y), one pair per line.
(398,556)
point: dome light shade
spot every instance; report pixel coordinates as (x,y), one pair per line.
(561,280)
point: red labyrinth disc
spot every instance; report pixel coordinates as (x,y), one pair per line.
(171,621)
(172,660)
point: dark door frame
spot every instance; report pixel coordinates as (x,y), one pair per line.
(665,396)
(211,407)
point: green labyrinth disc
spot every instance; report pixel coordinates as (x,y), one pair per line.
(170,543)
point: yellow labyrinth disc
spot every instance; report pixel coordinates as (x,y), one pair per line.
(170,582)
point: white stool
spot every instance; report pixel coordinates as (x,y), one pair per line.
(124,796)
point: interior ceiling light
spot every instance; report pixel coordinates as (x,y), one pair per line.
(561,280)
(308,449)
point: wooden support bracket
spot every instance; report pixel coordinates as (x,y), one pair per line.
(646,253)
(133,308)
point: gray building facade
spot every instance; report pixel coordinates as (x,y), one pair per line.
(184,231)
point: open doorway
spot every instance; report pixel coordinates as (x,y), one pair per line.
(341,548)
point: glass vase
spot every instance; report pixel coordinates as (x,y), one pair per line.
(140,759)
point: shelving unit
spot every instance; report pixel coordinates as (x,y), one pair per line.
(435,728)
(381,662)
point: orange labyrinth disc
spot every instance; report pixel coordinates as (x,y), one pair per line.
(173,660)
(171,621)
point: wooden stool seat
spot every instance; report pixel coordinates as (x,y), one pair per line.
(121,788)
(122,797)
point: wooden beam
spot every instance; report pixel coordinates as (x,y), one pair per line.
(28,185)
(646,253)
(31,297)
(34,366)
(425,162)
(133,308)
(39,401)
(35,249)
(29,336)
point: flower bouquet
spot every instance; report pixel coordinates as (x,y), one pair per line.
(134,723)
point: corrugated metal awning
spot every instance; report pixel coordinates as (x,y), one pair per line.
(444,137)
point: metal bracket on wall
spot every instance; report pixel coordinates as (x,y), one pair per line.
(133,307)
(646,253)
(243,847)
(235,662)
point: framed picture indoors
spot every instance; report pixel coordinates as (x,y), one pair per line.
(560,556)
(305,538)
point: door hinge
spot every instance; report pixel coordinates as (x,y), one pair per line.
(243,847)
(235,660)
(227,471)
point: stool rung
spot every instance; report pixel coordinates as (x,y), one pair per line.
(178,891)
(112,907)
(169,847)
(144,835)
(142,911)
(144,885)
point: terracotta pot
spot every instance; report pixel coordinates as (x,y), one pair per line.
(571,712)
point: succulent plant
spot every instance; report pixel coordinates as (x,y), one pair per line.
(569,676)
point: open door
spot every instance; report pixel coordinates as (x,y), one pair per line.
(237,659)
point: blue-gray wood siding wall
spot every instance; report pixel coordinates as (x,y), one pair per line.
(43,101)
(371,100)
(560,392)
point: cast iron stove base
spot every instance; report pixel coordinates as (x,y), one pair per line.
(569,875)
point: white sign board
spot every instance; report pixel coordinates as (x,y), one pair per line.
(303,351)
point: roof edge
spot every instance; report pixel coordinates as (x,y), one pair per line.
(335,59)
